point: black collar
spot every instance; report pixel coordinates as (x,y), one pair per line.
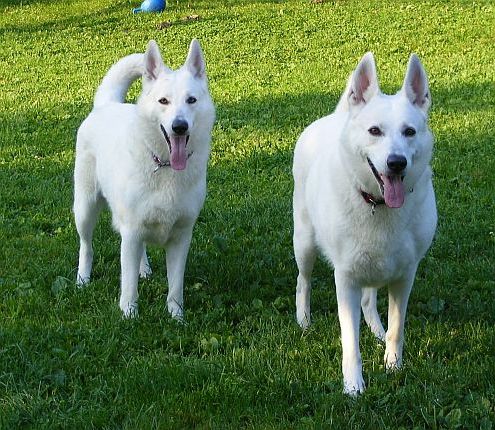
(372,200)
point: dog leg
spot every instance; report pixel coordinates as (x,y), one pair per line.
(131,251)
(87,206)
(348,299)
(177,249)
(85,218)
(305,254)
(144,266)
(368,305)
(398,296)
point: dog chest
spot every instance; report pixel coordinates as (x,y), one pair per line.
(371,267)
(161,216)
(158,221)
(371,256)
(154,213)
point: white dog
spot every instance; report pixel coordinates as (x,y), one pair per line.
(363,195)
(147,161)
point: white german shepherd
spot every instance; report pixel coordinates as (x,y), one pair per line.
(147,161)
(363,195)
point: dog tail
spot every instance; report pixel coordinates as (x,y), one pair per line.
(116,83)
(343,104)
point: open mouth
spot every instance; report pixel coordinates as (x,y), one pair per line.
(177,147)
(391,187)
(376,175)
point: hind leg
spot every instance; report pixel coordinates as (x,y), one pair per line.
(144,266)
(87,205)
(368,305)
(86,217)
(305,254)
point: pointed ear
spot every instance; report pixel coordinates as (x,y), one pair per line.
(153,63)
(363,84)
(195,61)
(415,85)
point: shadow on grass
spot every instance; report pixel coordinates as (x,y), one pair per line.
(464,97)
(283,112)
(277,113)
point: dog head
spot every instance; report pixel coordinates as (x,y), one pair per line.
(177,102)
(387,136)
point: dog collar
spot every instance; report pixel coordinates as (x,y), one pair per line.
(372,200)
(159,163)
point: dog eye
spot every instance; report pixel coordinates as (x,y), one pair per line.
(163,101)
(409,132)
(191,100)
(375,131)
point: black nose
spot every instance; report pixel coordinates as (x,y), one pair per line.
(180,126)
(396,163)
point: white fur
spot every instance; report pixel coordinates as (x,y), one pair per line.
(114,165)
(367,250)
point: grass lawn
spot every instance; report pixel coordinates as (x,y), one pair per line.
(68,359)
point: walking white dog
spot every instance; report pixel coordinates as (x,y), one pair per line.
(363,195)
(148,162)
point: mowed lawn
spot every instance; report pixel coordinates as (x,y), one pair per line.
(67,357)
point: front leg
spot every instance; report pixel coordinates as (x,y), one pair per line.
(131,251)
(177,249)
(398,296)
(349,306)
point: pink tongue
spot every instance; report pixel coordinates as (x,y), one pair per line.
(178,154)
(393,191)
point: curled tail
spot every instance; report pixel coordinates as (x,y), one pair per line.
(343,104)
(116,83)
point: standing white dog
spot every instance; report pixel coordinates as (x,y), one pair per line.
(148,162)
(363,195)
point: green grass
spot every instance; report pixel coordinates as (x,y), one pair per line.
(68,359)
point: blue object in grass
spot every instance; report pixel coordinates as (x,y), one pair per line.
(150,6)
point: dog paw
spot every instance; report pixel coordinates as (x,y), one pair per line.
(81,281)
(354,388)
(178,318)
(176,312)
(353,378)
(303,314)
(379,335)
(375,326)
(304,321)
(129,310)
(145,272)
(393,361)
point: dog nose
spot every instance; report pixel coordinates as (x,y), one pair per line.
(396,163)
(180,126)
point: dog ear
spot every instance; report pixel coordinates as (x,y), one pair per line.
(195,61)
(415,85)
(363,84)
(153,63)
